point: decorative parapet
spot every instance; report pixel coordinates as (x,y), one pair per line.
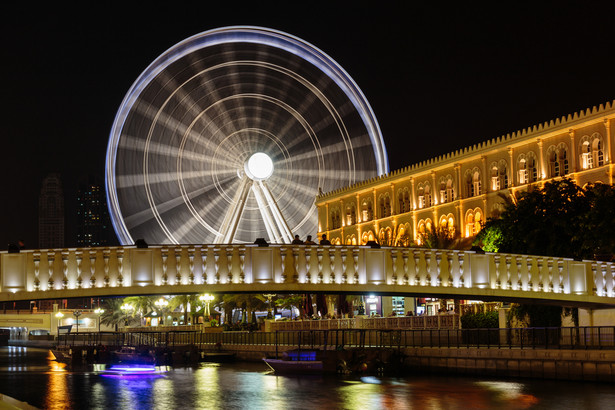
(531,133)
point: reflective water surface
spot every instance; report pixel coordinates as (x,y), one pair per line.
(28,374)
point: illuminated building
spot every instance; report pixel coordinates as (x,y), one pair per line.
(93,222)
(459,190)
(51,213)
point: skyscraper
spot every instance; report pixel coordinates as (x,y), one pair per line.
(51,213)
(93,223)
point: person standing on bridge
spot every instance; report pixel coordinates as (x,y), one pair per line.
(297,241)
(324,240)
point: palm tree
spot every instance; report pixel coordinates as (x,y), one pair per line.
(142,304)
(113,315)
(184,301)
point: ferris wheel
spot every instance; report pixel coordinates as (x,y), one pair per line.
(230,135)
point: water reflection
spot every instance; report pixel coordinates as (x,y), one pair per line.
(28,375)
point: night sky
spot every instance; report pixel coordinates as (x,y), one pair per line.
(438,79)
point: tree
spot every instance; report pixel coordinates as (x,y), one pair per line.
(439,238)
(184,302)
(113,315)
(290,302)
(560,219)
(142,304)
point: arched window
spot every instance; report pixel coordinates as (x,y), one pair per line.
(428,202)
(495,178)
(443,197)
(597,150)
(553,167)
(474,219)
(351,215)
(421,196)
(367,214)
(523,171)
(476,182)
(450,192)
(587,159)
(503,174)
(562,160)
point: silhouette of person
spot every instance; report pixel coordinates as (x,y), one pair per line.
(297,241)
(324,240)
(309,241)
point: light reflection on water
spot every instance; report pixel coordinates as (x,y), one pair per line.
(28,375)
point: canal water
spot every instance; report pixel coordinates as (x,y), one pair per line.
(29,374)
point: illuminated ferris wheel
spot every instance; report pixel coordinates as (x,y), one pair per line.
(229,136)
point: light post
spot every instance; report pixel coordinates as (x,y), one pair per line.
(161,304)
(207,298)
(269,296)
(99,312)
(126,308)
(77,313)
(59,317)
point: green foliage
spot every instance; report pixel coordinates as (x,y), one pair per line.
(290,302)
(561,219)
(537,315)
(488,320)
(439,238)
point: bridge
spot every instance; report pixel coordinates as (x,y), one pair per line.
(250,268)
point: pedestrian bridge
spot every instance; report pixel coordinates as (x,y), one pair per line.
(174,269)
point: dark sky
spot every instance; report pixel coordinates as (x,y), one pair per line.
(437,78)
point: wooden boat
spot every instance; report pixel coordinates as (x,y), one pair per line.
(130,354)
(296,362)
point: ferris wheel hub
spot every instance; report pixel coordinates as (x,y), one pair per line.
(259,167)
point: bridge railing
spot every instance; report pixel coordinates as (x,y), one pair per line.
(396,322)
(74,270)
(599,337)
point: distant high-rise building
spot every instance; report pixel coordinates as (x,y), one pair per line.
(51,213)
(93,222)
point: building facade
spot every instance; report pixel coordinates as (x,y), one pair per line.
(460,190)
(93,223)
(51,213)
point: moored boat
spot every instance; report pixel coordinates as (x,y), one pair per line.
(296,362)
(130,354)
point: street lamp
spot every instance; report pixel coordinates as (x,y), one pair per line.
(59,317)
(269,296)
(126,308)
(161,304)
(77,313)
(207,298)
(99,312)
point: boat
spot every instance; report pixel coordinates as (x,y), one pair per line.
(130,354)
(217,357)
(296,362)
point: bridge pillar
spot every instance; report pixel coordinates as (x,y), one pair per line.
(13,272)
(142,267)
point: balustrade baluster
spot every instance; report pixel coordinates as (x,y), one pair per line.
(394,266)
(461,268)
(36,256)
(539,264)
(295,277)
(204,265)
(404,255)
(229,264)
(308,255)
(64,270)
(417,278)
(560,268)
(242,261)
(496,260)
(191,264)
(50,261)
(319,256)
(106,266)
(120,266)
(428,268)
(178,265)
(165,254)
(508,282)
(603,266)
(344,277)
(519,281)
(92,269)
(550,272)
(282,258)
(528,262)
(438,268)
(332,274)
(355,260)
(449,261)
(217,265)
(595,277)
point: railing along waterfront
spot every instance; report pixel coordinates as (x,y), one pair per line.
(599,337)
(447,321)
